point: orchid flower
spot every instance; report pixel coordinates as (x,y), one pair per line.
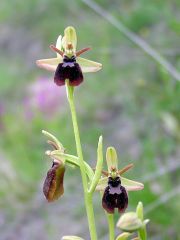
(114,186)
(68,64)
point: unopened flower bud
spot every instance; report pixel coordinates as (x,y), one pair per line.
(129,222)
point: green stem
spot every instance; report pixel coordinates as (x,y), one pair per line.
(110,218)
(87,196)
(142,234)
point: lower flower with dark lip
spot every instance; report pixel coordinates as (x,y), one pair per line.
(115,196)
(115,187)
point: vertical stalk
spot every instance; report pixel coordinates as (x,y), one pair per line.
(142,233)
(110,218)
(87,196)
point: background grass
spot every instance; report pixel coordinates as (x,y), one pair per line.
(133,102)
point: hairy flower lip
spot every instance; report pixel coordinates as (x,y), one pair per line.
(115,196)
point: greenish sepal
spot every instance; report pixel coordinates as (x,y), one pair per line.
(99,165)
(70,37)
(129,222)
(102,184)
(131,185)
(123,236)
(111,158)
(88,65)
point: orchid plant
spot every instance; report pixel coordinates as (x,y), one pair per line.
(68,70)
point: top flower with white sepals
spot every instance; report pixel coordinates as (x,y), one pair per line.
(68,65)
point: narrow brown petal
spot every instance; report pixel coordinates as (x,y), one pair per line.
(126,168)
(56,50)
(78,53)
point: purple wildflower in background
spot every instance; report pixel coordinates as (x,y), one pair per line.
(43,97)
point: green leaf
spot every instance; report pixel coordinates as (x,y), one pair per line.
(131,185)
(123,236)
(99,165)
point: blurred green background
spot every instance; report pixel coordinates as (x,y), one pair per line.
(133,102)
